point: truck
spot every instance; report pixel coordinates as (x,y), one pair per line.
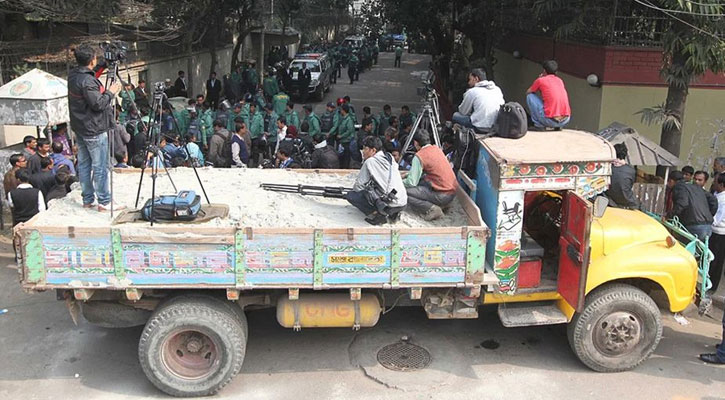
(539,244)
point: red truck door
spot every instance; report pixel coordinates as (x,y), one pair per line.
(574,249)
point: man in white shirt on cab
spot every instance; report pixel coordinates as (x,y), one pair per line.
(480,104)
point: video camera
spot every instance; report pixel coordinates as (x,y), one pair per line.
(427,82)
(114,51)
(159,87)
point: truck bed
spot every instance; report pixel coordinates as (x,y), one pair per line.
(243,257)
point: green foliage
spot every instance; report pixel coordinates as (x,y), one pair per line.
(658,115)
(372,18)
(323,18)
(21,69)
(695,43)
(286,9)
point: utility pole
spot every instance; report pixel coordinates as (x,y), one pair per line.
(261,42)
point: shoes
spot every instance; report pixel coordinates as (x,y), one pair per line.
(711,358)
(393,218)
(433,213)
(376,219)
(107,207)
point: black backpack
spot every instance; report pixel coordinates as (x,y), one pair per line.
(511,122)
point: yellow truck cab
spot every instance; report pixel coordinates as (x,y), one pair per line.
(561,256)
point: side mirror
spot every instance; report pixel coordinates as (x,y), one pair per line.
(600,206)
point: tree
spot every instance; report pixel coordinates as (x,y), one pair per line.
(246,19)
(691,47)
(429,20)
(480,22)
(372,19)
(285,9)
(691,38)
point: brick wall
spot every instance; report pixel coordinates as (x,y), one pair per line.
(613,64)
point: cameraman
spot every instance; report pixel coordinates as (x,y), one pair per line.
(91,117)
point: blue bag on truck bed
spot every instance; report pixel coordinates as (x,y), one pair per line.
(183,206)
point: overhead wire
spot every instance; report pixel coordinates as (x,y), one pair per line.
(697,28)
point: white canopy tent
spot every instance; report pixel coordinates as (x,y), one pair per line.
(35,98)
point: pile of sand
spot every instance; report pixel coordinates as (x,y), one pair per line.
(248,203)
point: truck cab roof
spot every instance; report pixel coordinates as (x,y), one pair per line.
(565,146)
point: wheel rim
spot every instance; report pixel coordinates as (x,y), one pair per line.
(190,354)
(617,333)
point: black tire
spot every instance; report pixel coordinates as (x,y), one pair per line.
(632,320)
(319,93)
(208,331)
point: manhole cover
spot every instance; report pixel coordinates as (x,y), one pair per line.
(403,356)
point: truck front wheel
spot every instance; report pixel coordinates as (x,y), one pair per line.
(618,329)
(193,346)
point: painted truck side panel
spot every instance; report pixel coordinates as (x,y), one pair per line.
(299,259)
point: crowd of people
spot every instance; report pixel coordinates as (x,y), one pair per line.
(43,171)
(235,123)
(239,123)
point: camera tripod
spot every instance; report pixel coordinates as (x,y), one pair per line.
(160,104)
(429,118)
(426,120)
(111,77)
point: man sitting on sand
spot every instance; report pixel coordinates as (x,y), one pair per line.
(378,191)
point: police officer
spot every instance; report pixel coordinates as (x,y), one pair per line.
(327,120)
(352,71)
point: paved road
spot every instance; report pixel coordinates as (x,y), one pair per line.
(381,85)
(44,356)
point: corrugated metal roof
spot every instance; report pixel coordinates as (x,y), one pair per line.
(642,151)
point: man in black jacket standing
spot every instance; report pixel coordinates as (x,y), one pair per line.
(692,205)
(623,176)
(91,117)
(180,85)
(213,90)
(141,95)
(25,200)
(304,79)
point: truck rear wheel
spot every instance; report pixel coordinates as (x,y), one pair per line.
(619,328)
(193,345)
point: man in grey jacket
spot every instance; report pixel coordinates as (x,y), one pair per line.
(480,104)
(218,155)
(91,117)
(378,191)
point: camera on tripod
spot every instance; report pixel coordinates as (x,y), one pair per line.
(159,87)
(114,51)
(427,90)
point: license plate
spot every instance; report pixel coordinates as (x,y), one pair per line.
(295,75)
